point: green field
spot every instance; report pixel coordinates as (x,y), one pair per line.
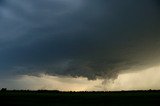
(56,98)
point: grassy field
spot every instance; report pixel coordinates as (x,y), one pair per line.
(56,98)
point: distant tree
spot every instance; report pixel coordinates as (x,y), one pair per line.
(4,89)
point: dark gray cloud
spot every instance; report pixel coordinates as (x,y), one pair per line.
(87,38)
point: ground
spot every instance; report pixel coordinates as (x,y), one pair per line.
(56,98)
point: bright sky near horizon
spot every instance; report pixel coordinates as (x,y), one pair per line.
(80,44)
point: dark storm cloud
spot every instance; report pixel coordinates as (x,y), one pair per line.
(87,38)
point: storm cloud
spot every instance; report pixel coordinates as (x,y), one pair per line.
(88,38)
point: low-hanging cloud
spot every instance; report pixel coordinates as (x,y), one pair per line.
(93,39)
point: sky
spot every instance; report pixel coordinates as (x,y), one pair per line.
(80,45)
